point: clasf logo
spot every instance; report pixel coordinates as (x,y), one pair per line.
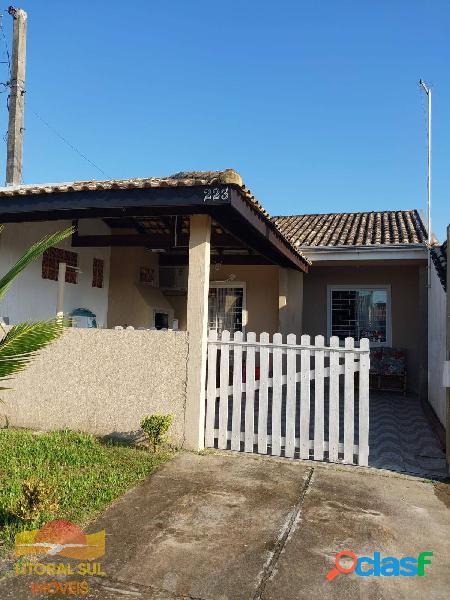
(376,566)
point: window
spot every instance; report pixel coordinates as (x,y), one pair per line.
(226,307)
(360,311)
(50,264)
(97,272)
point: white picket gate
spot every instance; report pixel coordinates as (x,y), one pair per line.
(288,399)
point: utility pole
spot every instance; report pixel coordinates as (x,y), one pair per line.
(427,91)
(16,98)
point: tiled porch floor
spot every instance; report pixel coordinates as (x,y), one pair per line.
(401,437)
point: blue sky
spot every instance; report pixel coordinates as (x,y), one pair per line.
(316,104)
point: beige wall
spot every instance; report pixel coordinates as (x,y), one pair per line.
(130,302)
(408,297)
(261,290)
(179,303)
(290,301)
(102,381)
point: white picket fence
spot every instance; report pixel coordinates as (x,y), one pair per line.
(288,399)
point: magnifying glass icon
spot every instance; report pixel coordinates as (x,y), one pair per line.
(339,568)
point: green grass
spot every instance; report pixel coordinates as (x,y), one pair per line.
(86,475)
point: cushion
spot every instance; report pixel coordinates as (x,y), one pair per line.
(387,361)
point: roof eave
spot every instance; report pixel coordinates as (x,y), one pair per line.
(138,197)
(368,247)
(367,253)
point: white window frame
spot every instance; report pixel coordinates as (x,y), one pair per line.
(235,284)
(385,288)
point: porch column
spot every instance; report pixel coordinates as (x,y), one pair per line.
(290,301)
(197,323)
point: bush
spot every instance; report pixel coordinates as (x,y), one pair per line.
(37,497)
(155,427)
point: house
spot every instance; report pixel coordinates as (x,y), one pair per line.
(156,262)
(141,257)
(368,279)
(135,235)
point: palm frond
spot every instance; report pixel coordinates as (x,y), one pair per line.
(30,255)
(22,342)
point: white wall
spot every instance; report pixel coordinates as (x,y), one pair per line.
(436,346)
(32,297)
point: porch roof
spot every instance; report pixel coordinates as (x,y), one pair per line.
(222,194)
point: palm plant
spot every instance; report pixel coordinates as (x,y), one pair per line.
(20,344)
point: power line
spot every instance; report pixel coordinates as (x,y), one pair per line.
(66,141)
(6,43)
(7,85)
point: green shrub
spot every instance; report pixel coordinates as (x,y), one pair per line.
(155,427)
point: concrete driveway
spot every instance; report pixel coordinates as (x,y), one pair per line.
(232,526)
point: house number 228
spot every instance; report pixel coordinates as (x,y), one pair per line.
(215,194)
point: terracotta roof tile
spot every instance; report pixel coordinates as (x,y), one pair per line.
(353,229)
(183,178)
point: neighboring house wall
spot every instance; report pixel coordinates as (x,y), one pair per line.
(101,381)
(436,346)
(131,302)
(408,297)
(31,296)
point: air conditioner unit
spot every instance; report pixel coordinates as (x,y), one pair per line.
(173,278)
